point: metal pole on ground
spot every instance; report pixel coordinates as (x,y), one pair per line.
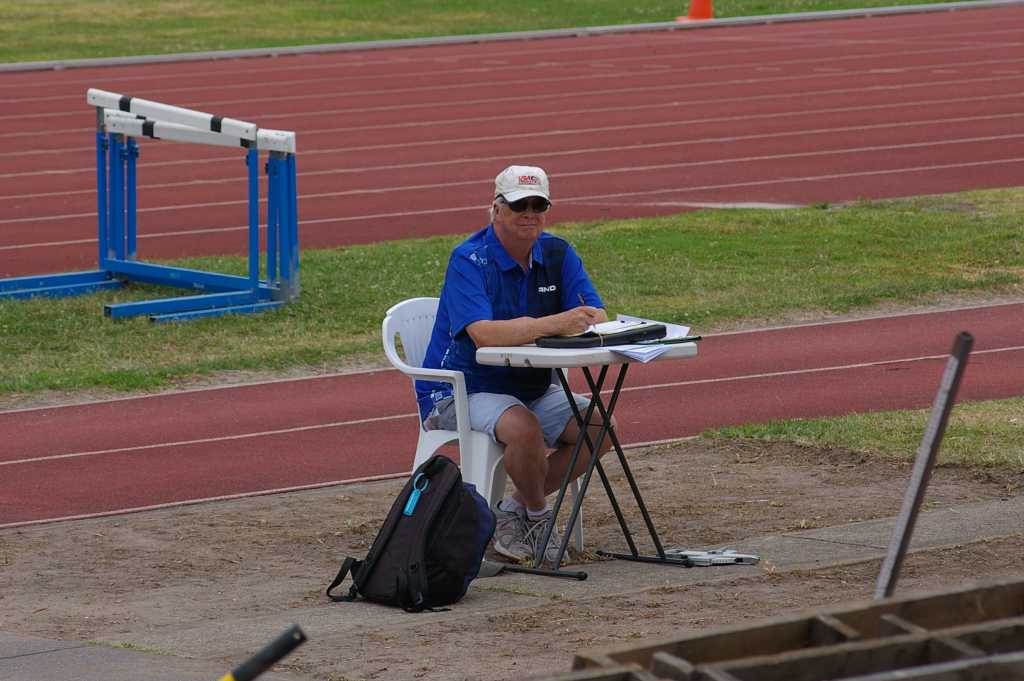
(927,453)
(271,654)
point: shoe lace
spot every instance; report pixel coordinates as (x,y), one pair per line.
(535,533)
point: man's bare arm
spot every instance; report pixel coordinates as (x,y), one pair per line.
(489,333)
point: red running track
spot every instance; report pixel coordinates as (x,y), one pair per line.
(406,142)
(133,453)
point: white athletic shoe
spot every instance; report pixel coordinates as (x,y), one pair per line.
(510,535)
(535,530)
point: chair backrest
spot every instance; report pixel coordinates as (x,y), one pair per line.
(413,321)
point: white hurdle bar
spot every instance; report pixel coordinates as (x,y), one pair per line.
(171,114)
(133,125)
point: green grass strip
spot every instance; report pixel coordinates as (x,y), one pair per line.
(708,269)
(44,30)
(989,433)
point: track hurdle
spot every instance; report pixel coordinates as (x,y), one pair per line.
(120,120)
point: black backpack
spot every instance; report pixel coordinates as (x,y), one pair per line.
(430,547)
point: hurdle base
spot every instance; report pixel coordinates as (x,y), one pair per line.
(179,277)
(229,294)
(57,285)
(164,306)
(253,308)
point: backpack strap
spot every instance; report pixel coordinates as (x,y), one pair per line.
(410,594)
(551,274)
(349,564)
(413,587)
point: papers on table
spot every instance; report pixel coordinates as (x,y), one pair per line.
(615,326)
(639,353)
(647,351)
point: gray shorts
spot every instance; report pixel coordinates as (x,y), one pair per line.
(551,409)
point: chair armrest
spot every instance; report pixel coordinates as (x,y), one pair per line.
(450,376)
(458,382)
(442,375)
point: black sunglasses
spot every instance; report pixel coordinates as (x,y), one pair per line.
(538,204)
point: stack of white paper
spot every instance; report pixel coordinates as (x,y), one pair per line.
(639,353)
(645,353)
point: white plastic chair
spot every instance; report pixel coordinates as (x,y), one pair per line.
(480,457)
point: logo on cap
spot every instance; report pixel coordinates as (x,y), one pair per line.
(529,179)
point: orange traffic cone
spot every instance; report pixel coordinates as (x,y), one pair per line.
(699,11)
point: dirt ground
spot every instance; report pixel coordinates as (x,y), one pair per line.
(156,581)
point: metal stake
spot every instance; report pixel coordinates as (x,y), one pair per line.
(927,453)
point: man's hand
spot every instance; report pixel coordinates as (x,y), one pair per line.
(576,320)
(487,333)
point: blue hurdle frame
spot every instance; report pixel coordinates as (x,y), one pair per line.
(116,190)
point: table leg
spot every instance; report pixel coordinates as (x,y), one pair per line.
(494,569)
(593,447)
(606,430)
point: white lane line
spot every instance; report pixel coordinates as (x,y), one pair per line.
(307,196)
(190,502)
(75,100)
(788,180)
(1014,115)
(352,61)
(710,60)
(572,114)
(280,490)
(340,424)
(452,102)
(377,370)
(575,114)
(210,388)
(573,199)
(815,370)
(205,440)
(265,492)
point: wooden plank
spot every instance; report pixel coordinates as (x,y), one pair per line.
(835,662)
(939,610)
(893,625)
(778,635)
(827,630)
(879,655)
(901,632)
(714,674)
(1001,636)
(615,673)
(957,648)
(995,668)
(666,666)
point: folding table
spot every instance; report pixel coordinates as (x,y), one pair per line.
(561,359)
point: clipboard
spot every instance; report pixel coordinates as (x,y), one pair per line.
(604,335)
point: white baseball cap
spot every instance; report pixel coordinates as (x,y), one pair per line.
(518,182)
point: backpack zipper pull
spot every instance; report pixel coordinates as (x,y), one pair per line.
(414,496)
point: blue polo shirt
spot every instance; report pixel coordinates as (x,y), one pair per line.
(484,282)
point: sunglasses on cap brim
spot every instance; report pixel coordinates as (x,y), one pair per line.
(538,204)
